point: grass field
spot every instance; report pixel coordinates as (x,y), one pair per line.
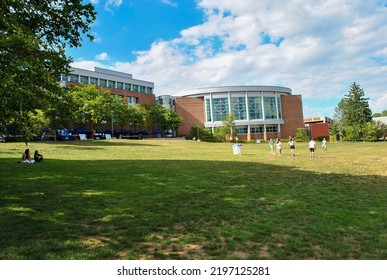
(171,199)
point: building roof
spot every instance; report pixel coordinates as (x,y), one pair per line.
(222,89)
(108,74)
(382,119)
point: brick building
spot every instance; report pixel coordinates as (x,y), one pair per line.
(118,83)
(261,112)
(318,127)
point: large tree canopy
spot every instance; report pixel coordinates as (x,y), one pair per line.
(33,38)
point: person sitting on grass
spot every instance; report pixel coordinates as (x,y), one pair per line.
(38,157)
(26,157)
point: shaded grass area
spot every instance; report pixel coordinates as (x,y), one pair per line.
(185,200)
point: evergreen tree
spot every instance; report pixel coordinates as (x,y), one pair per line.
(353,112)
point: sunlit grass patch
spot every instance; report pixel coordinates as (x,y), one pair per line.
(159,199)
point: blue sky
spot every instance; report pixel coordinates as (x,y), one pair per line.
(315,47)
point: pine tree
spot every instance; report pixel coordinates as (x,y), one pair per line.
(353,111)
(357,109)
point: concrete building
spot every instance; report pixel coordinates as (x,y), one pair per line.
(261,112)
(118,83)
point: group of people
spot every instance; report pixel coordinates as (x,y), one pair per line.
(292,146)
(26,157)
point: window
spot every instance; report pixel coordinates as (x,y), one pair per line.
(238,105)
(120,85)
(103,83)
(64,78)
(93,81)
(142,89)
(219,108)
(149,90)
(270,108)
(74,78)
(131,100)
(208,110)
(135,87)
(241,130)
(255,107)
(84,80)
(256,129)
(112,84)
(272,128)
(279,107)
(128,86)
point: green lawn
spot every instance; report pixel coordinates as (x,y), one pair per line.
(171,199)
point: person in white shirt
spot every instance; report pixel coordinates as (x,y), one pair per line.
(279,146)
(312,148)
(292,146)
(324,144)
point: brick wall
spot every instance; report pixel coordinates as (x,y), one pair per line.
(192,111)
(319,129)
(291,114)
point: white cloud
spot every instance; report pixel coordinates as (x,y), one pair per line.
(169,2)
(87,64)
(317,48)
(112,3)
(102,56)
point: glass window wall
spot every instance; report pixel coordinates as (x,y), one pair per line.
(238,106)
(74,78)
(257,129)
(112,84)
(219,108)
(131,100)
(103,83)
(279,107)
(270,107)
(208,110)
(272,128)
(93,81)
(241,130)
(255,107)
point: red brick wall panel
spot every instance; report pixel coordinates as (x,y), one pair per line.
(291,114)
(319,129)
(192,111)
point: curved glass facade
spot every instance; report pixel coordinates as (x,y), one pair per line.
(257,110)
(251,106)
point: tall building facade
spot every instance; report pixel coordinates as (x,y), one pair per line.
(261,112)
(118,83)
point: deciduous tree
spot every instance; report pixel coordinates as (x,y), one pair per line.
(33,38)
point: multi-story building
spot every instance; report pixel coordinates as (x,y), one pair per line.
(261,112)
(318,126)
(118,83)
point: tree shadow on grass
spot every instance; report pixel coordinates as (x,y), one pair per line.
(101,143)
(164,209)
